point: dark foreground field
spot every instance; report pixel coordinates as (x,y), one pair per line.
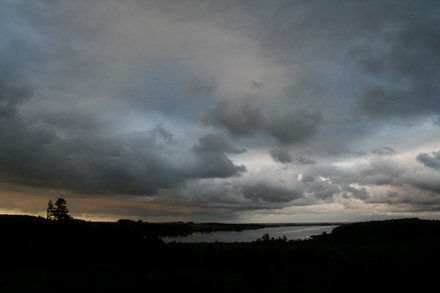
(39,255)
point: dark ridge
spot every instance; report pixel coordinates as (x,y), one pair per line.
(390,231)
(39,255)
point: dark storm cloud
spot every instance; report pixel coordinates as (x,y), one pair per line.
(301,160)
(68,142)
(404,55)
(212,143)
(321,190)
(138,163)
(202,87)
(427,185)
(430,160)
(361,193)
(308,191)
(382,102)
(132,163)
(267,193)
(212,158)
(380,172)
(247,120)
(239,121)
(10,97)
(282,156)
(384,151)
(292,127)
(395,45)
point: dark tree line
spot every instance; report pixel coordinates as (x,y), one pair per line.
(59,211)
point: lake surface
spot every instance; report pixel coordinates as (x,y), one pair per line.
(291,233)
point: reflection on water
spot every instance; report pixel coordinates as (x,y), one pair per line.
(291,233)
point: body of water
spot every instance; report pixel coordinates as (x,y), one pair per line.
(291,233)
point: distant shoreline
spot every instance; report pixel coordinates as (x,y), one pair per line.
(180,228)
(244,226)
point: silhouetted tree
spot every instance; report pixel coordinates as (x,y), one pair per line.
(60,212)
(264,238)
(50,210)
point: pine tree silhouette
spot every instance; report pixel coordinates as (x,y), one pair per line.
(59,212)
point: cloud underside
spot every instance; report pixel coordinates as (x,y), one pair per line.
(430,160)
(247,120)
(223,106)
(144,163)
(136,163)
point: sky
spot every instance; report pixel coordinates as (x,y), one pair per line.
(226,111)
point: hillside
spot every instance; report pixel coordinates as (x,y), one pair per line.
(121,257)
